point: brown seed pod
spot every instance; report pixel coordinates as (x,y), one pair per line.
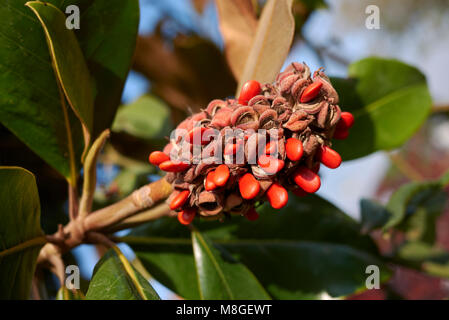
(244,135)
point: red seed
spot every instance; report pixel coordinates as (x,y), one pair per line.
(252,214)
(299,192)
(199,135)
(186,216)
(232,148)
(347,118)
(307,179)
(157,157)
(249,90)
(249,186)
(170,166)
(221,175)
(294,149)
(341,133)
(277,196)
(209,183)
(270,164)
(311,92)
(329,157)
(271,148)
(179,200)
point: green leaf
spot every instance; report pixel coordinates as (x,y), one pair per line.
(302,250)
(221,276)
(390,100)
(30,103)
(146,118)
(414,208)
(20,234)
(373,215)
(68,61)
(107,37)
(115,278)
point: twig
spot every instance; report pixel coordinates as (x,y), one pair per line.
(137,201)
(99,238)
(157,212)
(73,202)
(74,233)
(90,174)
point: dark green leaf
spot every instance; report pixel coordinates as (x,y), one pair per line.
(302,250)
(115,278)
(220,276)
(20,234)
(108,38)
(30,104)
(68,61)
(414,208)
(390,101)
(373,214)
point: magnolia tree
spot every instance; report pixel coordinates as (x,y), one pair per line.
(232,213)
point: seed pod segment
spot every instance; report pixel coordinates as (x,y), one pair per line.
(171,166)
(179,200)
(249,186)
(157,157)
(269,164)
(186,216)
(209,183)
(252,214)
(308,180)
(294,149)
(249,90)
(329,157)
(277,196)
(311,92)
(221,175)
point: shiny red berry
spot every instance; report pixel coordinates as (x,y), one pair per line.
(311,92)
(294,149)
(171,166)
(347,118)
(209,183)
(299,192)
(329,157)
(221,175)
(199,135)
(308,180)
(341,133)
(271,148)
(186,216)
(277,196)
(179,200)
(249,186)
(249,90)
(269,164)
(157,157)
(252,214)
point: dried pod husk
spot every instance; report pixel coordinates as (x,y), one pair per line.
(245,118)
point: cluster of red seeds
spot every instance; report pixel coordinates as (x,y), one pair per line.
(302,114)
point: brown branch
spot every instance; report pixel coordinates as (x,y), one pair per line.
(73,202)
(137,201)
(76,231)
(155,213)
